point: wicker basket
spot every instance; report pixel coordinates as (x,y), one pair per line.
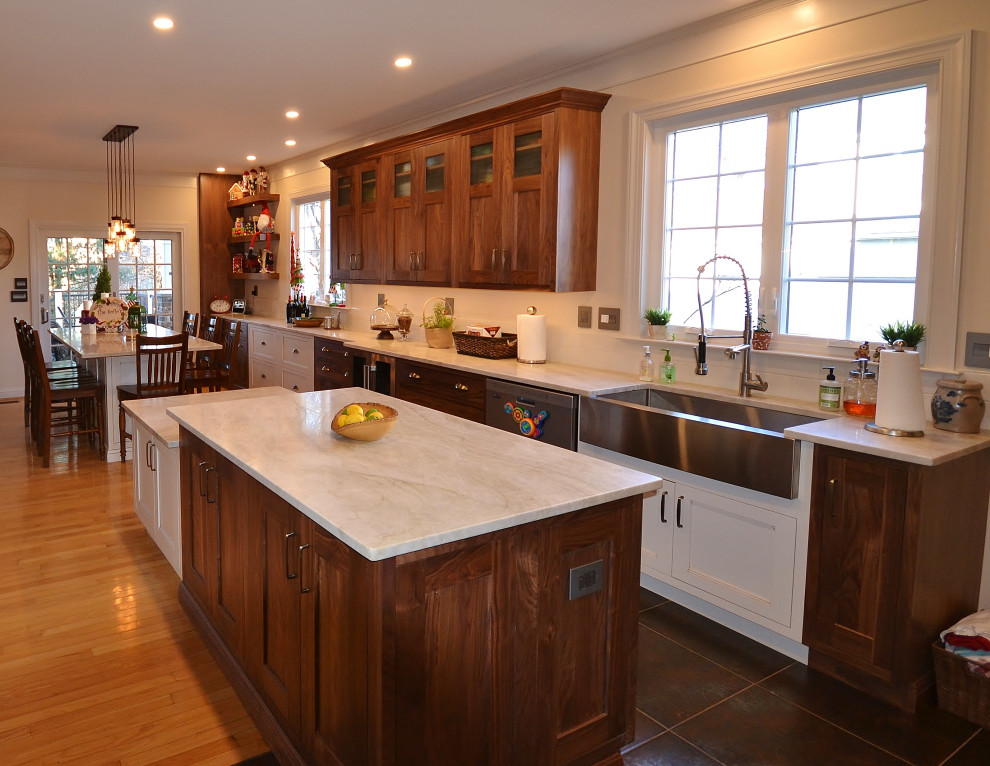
(503,347)
(961,691)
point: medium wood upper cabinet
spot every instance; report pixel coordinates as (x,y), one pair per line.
(895,555)
(355,234)
(417,215)
(519,188)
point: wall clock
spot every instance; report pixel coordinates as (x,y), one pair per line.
(220,305)
(6,248)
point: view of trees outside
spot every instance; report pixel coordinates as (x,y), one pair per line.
(144,276)
(313,221)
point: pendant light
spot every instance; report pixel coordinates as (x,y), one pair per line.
(121,226)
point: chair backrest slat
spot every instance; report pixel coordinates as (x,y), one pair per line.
(161,364)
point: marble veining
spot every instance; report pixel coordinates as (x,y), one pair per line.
(433,479)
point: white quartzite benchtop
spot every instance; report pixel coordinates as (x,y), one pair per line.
(433,479)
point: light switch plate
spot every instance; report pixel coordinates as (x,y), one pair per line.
(608,319)
(584,316)
(381,299)
(978,349)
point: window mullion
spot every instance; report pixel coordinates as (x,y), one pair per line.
(774,260)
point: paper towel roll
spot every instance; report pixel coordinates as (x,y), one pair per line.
(532,336)
(899,399)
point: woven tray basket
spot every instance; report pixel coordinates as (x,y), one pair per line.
(487,348)
(961,691)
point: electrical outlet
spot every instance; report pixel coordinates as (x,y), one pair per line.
(450,302)
(381,299)
(584,316)
(608,319)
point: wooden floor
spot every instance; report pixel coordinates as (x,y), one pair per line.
(98,663)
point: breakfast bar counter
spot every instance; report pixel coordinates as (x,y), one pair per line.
(449,594)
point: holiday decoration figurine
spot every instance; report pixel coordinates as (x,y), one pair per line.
(265,223)
(263,180)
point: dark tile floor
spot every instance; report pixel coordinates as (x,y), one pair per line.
(707,695)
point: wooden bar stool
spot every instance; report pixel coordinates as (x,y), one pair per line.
(161,370)
(56,370)
(217,375)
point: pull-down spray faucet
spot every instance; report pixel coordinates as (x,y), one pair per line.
(746,383)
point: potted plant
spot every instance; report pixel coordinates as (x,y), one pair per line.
(656,318)
(912,333)
(761,334)
(438,324)
(103,283)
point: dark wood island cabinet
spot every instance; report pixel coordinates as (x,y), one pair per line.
(515,646)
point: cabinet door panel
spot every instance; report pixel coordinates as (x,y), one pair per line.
(658,530)
(233,500)
(168,516)
(735,551)
(145,501)
(199,540)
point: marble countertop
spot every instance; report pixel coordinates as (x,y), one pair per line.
(151,413)
(433,479)
(935,447)
(102,345)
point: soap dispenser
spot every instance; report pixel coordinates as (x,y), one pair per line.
(668,372)
(829,391)
(647,367)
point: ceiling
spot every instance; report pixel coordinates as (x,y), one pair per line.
(215,88)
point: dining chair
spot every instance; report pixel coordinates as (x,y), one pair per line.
(59,369)
(209,329)
(160,365)
(67,406)
(190,323)
(218,374)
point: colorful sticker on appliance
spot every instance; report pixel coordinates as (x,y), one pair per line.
(529,423)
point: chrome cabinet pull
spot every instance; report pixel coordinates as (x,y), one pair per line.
(324,368)
(289,575)
(679,499)
(494,256)
(414,376)
(505,259)
(147,453)
(663,507)
(302,589)
(412,261)
(202,479)
(830,497)
(264,343)
(154,456)
(210,470)
(460,387)
(324,349)
(295,351)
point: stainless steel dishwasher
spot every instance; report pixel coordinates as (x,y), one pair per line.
(548,416)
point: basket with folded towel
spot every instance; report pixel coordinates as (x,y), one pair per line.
(962,668)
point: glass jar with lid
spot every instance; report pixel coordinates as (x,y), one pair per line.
(384,319)
(859,393)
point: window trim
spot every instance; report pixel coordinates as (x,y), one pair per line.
(304,197)
(946,149)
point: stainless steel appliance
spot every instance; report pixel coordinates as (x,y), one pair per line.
(548,416)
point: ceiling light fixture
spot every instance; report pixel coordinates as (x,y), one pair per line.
(163,22)
(251,158)
(403,61)
(221,170)
(290,142)
(292,114)
(121,228)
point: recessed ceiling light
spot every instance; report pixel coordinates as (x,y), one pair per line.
(221,170)
(251,158)
(403,61)
(292,114)
(163,22)
(290,142)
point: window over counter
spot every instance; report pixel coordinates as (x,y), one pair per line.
(311,221)
(822,186)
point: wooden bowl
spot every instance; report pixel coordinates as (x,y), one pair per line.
(307,321)
(368,430)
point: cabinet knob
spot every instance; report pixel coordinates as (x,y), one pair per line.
(347,375)
(414,376)
(264,343)
(347,353)
(295,351)
(324,368)
(324,349)
(295,388)
(460,387)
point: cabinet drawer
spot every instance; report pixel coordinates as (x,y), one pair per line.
(451,391)
(297,381)
(264,374)
(297,351)
(264,345)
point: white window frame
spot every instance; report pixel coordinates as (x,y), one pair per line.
(325,259)
(945,164)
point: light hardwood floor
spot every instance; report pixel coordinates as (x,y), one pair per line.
(98,663)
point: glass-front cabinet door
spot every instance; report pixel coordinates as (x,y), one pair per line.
(354,235)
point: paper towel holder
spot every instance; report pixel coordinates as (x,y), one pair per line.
(897,345)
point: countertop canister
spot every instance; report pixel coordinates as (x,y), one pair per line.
(958,405)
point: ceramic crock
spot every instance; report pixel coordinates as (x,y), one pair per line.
(958,406)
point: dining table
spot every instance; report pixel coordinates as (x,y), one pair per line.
(111,356)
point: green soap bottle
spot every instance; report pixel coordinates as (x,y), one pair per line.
(668,373)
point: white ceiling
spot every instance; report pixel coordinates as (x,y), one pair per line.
(216,87)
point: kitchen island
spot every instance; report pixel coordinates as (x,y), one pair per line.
(449,594)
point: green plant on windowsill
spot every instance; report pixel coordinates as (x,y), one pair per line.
(762,335)
(912,333)
(656,318)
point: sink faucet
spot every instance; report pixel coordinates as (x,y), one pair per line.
(746,382)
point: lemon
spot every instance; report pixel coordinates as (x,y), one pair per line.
(353,409)
(341,420)
(374,415)
(355,417)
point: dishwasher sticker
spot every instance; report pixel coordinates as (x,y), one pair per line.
(529,424)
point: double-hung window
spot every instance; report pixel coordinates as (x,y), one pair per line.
(818,198)
(311,217)
(821,186)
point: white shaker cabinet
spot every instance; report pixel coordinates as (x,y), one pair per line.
(156,492)
(281,358)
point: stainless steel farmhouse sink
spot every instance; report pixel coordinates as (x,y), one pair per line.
(735,442)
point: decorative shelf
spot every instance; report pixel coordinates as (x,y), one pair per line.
(255,275)
(265,236)
(252,200)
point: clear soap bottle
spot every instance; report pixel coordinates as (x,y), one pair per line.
(647,367)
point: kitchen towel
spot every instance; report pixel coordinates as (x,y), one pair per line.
(532,338)
(899,399)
